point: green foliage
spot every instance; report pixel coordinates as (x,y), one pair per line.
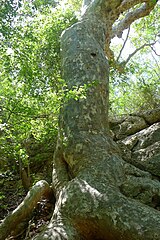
(137,87)
(31,83)
(1,196)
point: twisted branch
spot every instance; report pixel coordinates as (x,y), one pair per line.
(130,17)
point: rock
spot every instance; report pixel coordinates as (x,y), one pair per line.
(142,149)
(148,158)
(128,126)
(151,116)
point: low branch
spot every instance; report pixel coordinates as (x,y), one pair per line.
(24,210)
(130,17)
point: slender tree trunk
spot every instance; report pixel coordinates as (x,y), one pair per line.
(90,180)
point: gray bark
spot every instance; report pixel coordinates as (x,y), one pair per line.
(92,183)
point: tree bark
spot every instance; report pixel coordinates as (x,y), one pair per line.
(88,173)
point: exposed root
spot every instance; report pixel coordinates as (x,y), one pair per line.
(16,220)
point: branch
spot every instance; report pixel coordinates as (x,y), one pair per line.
(157,64)
(123,44)
(126,5)
(155,51)
(138,49)
(130,17)
(121,65)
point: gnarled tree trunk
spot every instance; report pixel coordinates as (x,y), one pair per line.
(91,181)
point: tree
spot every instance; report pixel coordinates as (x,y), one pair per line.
(88,173)
(90,180)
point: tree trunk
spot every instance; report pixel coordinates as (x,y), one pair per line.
(90,180)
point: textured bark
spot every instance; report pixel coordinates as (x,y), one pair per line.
(16,220)
(92,183)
